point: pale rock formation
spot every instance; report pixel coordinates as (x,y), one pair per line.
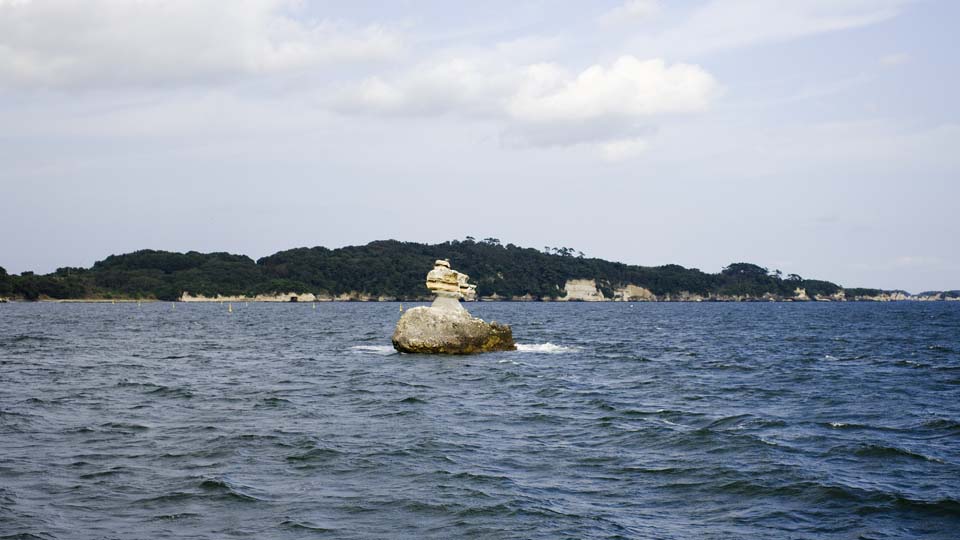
(800,294)
(450,286)
(467,290)
(583,290)
(634,293)
(352,296)
(278,297)
(443,279)
(891,296)
(682,296)
(446,327)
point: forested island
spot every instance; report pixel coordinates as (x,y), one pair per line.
(393,270)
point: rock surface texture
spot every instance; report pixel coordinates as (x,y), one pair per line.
(446,327)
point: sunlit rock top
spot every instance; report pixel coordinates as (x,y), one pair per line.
(449,285)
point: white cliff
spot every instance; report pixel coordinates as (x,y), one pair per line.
(583,290)
(634,293)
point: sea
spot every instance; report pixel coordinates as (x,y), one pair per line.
(611,420)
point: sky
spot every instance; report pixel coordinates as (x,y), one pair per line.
(817,137)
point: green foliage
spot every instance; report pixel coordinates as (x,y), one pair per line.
(165,275)
(393,269)
(745,279)
(5,283)
(818,287)
(859,291)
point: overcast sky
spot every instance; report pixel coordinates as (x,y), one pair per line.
(818,137)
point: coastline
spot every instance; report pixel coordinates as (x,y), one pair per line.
(575,290)
(367,298)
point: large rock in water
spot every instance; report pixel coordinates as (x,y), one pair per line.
(439,331)
(446,327)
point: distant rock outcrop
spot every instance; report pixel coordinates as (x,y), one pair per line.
(446,327)
(582,290)
(277,297)
(634,293)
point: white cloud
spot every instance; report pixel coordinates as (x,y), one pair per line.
(111,42)
(631,11)
(543,104)
(628,88)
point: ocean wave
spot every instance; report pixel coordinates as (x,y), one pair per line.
(176,392)
(316,454)
(866,450)
(29,536)
(305,525)
(942,423)
(124,426)
(100,474)
(911,363)
(547,348)
(28,337)
(382,350)
(230,490)
(172,517)
(274,401)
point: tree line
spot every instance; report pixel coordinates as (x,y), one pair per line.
(389,268)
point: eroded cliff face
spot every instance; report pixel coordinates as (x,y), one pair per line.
(634,293)
(894,296)
(352,296)
(587,290)
(278,297)
(454,284)
(581,290)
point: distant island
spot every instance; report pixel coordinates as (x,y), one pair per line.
(390,270)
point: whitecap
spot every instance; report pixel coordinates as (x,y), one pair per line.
(548,348)
(383,350)
(511,362)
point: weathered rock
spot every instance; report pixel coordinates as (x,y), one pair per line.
(446,327)
(582,290)
(442,279)
(634,293)
(440,331)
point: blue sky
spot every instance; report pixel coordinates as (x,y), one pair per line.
(818,137)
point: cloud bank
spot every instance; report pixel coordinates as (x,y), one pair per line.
(543,104)
(102,43)
(529,89)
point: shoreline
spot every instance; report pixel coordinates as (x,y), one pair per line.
(235,300)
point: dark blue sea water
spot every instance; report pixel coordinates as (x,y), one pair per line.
(612,421)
